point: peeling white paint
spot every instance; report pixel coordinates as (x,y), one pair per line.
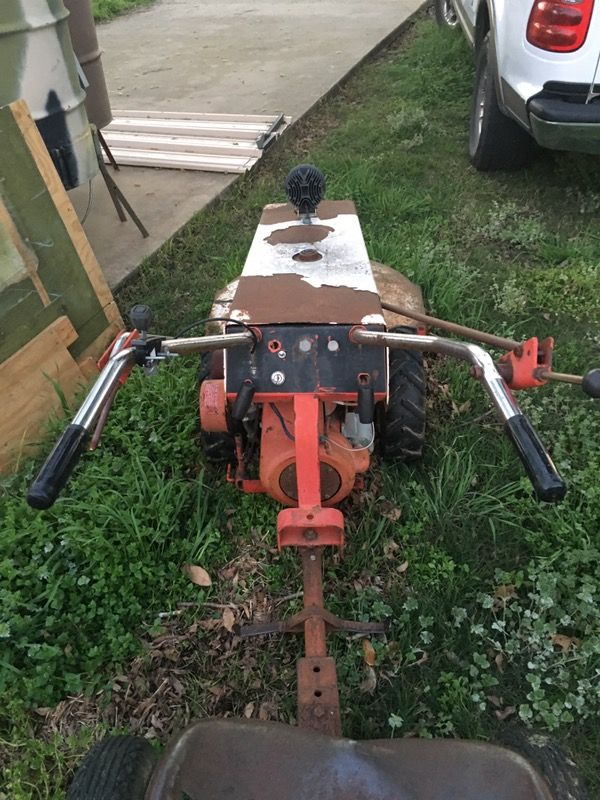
(373,319)
(241,315)
(344,263)
(222,302)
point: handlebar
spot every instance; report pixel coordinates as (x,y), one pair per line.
(65,454)
(57,468)
(547,482)
(52,477)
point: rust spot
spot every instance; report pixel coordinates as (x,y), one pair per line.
(284,212)
(278,299)
(330,482)
(299,234)
(309,254)
(276,213)
(329,209)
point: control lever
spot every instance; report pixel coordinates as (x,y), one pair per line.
(141,318)
(545,478)
(591,383)
(55,471)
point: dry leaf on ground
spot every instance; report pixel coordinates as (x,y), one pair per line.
(506,592)
(228,619)
(197,575)
(503,594)
(370,682)
(390,511)
(565,642)
(369,653)
(505,713)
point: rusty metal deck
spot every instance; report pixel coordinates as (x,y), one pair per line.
(308,273)
(252,760)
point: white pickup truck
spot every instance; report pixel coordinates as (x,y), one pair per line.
(538,76)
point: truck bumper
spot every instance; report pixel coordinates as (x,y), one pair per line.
(560,119)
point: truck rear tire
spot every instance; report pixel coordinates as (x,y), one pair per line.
(445,14)
(495,141)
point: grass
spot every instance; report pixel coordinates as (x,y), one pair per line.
(492,577)
(107,9)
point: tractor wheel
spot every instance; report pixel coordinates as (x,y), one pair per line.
(495,141)
(445,14)
(217,447)
(550,759)
(116,768)
(402,429)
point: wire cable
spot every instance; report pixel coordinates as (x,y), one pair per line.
(354,449)
(193,325)
(279,416)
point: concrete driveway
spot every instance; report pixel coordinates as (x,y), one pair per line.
(249,57)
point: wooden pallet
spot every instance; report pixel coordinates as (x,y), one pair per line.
(178,140)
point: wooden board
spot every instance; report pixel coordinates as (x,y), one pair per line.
(28,260)
(57,313)
(192,161)
(46,220)
(166,143)
(28,397)
(207,142)
(212,117)
(63,205)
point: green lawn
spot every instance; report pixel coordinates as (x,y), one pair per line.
(107,9)
(492,576)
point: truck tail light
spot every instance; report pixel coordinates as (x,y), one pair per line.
(560,26)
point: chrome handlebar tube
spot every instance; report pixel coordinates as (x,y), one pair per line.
(66,452)
(480,360)
(547,482)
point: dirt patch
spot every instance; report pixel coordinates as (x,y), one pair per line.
(192,668)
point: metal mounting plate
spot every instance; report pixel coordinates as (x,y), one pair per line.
(298,359)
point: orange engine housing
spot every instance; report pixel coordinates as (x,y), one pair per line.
(340,463)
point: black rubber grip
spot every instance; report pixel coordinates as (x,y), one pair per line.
(57,467)
(591,383)
(547,482)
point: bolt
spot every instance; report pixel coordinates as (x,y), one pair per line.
(304,345)
(281,354)
(333,346)
(278,378)
(310,535)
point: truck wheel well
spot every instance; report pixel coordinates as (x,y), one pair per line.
(482,25)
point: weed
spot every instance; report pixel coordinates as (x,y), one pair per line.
(507,222)
(107,9)
(510,298)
